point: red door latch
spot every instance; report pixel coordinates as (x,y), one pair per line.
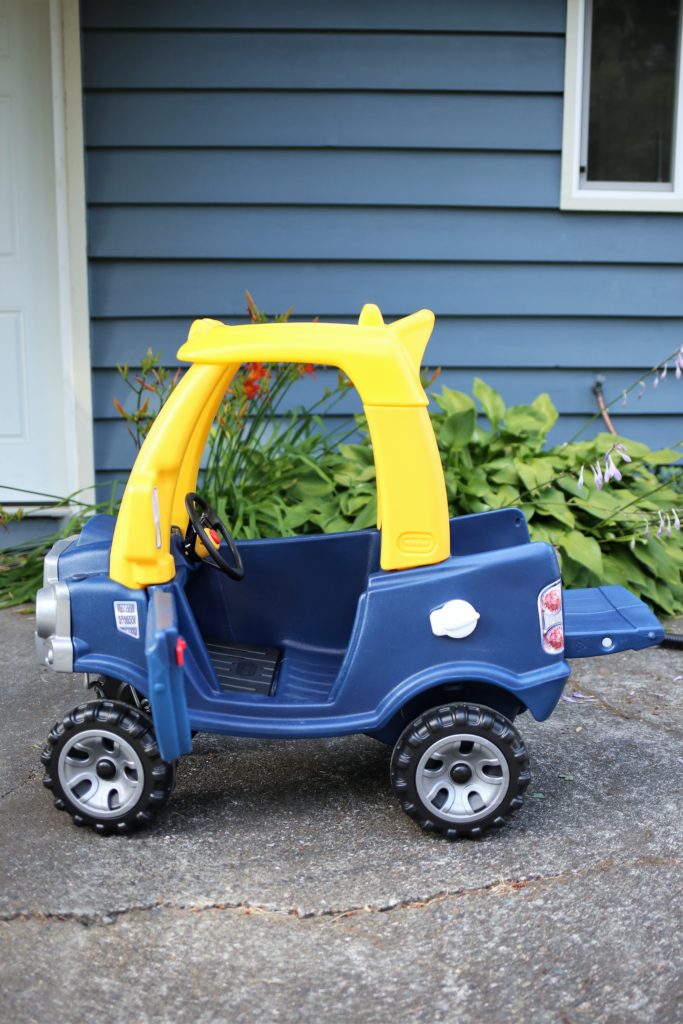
(180,646)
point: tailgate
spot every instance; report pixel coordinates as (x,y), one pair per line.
(602,620)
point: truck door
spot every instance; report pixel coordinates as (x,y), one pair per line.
(164,650)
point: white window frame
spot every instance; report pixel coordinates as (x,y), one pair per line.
(630,198)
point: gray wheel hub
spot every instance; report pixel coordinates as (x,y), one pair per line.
(101,773)
(462,778)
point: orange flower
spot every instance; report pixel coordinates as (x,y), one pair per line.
(258,371)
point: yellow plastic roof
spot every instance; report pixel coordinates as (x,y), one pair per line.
(382,361)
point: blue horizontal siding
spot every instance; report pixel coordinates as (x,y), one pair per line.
(190,288)
(479,343)
(337,177)
(529,16)
(115,450)
(333,233)
(571,390)
(355,119)
(326,155)
(291,60)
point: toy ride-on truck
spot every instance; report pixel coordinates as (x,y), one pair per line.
(428,634)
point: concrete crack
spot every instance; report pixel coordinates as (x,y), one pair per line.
(499,887)
(13,789)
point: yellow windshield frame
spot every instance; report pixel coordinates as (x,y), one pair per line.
(382,361)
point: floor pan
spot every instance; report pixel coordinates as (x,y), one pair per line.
(244,668)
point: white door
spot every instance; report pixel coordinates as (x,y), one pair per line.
(33,453)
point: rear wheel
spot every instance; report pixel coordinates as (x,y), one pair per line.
(460,769)
(103,766)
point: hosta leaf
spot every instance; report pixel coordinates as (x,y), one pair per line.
(544,405)
(490,401)
(583,550)
(524,419)
(457,429)
(503,472)
(453,401)
(553,504)
(367,517)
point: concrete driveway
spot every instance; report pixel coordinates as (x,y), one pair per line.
(283,883)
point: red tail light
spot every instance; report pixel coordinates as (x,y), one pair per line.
(550,618)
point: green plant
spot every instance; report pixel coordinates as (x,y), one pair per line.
(21,566)
(606,535)
(273,470)
(262,459)
(151,386)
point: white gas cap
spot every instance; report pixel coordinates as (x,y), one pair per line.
(455,618)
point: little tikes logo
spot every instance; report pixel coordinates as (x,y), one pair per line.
(127,621)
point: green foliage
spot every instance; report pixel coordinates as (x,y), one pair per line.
(271,472)
(263,465)
(599,534)
(21,566)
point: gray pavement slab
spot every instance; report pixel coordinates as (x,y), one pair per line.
(283,882)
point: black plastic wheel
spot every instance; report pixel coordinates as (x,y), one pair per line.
(103,766)
(460,769)
(108,688)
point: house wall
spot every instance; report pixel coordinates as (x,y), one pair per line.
(327,155)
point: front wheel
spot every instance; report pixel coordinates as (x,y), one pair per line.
(460,769)
(103,766)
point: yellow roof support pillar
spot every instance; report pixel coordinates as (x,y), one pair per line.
(410,486)
(140,553)
(189,471)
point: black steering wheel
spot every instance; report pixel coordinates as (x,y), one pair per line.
(205,525)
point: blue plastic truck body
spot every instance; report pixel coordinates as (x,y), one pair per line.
(352,643)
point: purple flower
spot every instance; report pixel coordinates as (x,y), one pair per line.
(581,476)
(611,471)
(646,531)
(621,448)
(661,525)
(655,382)
(665,370)
(597,475)
(642,389)
(677,522)
(668,525)
(632,543)
(679,365)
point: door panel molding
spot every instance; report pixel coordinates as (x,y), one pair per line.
(74,326)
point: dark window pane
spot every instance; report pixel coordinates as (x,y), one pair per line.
(632,90)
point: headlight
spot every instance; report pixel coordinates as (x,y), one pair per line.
(54,647)
(46,612)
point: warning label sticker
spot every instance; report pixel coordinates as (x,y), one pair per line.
(126,614)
